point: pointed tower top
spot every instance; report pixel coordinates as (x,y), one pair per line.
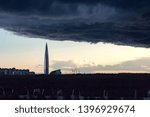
(46,44)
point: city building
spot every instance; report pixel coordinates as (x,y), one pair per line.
(46,61)
(13,72)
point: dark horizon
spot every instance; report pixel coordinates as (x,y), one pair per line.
(87,86)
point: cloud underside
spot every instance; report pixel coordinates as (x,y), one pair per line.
(133,66)
(122,22)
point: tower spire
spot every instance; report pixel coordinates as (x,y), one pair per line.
(46,61)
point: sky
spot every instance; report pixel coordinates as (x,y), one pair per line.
(72,57)
(86,36)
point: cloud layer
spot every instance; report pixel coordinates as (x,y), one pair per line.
(135,66)
(123,22)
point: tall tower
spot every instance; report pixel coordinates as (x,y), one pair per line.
(46,61)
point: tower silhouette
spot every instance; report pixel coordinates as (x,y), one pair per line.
(46,61)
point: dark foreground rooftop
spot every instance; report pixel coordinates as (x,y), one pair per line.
(77,86)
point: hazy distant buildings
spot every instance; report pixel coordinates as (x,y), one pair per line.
(46,61)
(13,71)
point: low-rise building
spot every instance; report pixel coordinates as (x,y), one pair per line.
(13,71)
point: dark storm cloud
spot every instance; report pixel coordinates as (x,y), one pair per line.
(47,5)
(124,22)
